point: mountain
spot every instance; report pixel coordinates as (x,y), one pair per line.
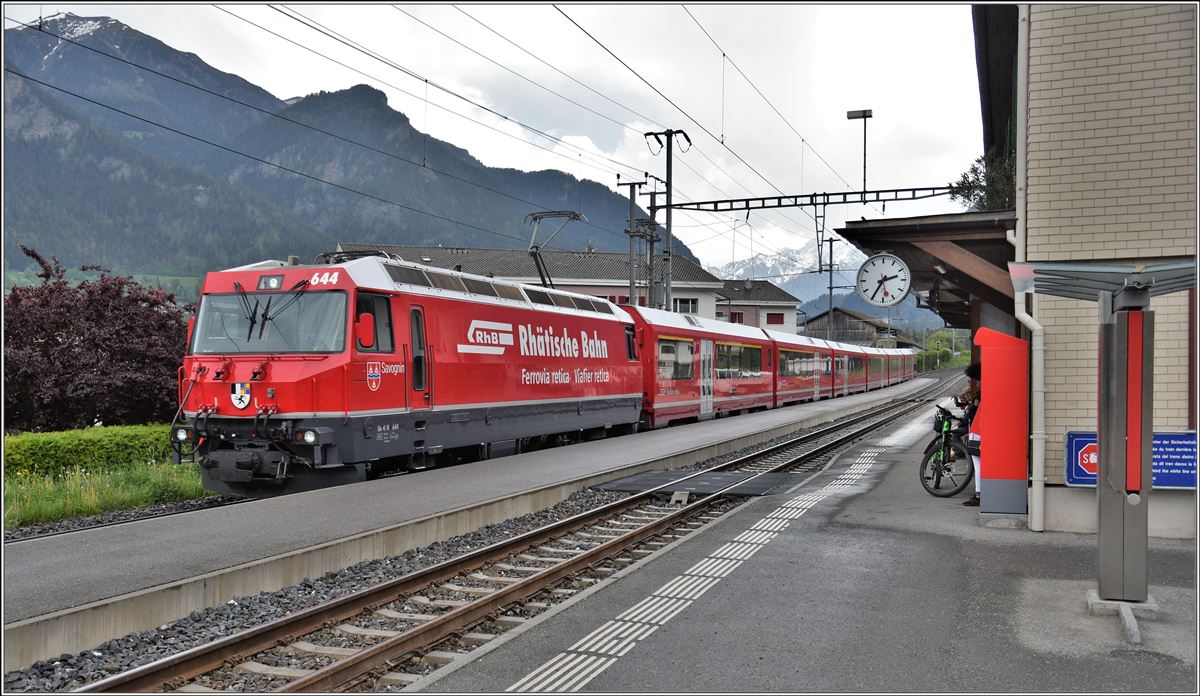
(92,186)
(794,269)
(45,56)
(80,192)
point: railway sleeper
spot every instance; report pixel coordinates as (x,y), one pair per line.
(451,603)
(404,616)
(197,689)
(314,649)
(252,667)
(538,559)
(518,569)
(565,552)
(437,658)
(399,679)
(478,591)
(353,630)
(494,579)
(475,639)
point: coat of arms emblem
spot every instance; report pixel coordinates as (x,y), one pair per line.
(374,373)
(239,394)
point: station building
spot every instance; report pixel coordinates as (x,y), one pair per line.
(1096,104)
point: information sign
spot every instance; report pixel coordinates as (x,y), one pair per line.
(1174,465)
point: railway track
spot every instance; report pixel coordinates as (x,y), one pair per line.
(387,636)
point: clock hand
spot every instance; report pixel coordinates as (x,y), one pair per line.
(877,286)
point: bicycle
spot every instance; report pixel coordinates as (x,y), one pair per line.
(946,468)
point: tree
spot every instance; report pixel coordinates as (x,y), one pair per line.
(990,183)
(106,350)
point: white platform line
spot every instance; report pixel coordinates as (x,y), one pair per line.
(600,649)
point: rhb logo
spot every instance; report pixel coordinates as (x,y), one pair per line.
(487,338)
(374,375)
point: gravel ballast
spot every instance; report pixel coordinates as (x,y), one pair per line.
(121,654)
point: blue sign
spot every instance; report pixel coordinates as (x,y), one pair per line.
(1173,465)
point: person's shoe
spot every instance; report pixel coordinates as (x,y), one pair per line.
(973,501)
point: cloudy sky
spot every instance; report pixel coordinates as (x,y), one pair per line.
(914,66)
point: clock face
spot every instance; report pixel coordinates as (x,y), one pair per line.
(883,280)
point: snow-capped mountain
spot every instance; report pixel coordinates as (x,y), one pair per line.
(797,269)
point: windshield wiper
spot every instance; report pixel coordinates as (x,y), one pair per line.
(296,291)
(251,314)
(268,316)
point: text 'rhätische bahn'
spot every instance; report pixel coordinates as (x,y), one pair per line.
(305,376)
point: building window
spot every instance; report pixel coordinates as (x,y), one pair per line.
(737,318)
(720,315)
(774,317)
(686,305)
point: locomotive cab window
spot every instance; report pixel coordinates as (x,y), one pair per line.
(630,343)
(379,307)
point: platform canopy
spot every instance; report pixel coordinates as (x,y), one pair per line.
(1085,281)
(953,258)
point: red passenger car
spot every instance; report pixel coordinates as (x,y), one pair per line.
(804,368)
(307,376)
(696,368)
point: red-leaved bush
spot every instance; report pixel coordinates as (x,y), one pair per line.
(106,350)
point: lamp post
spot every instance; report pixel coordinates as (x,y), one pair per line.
(863,114)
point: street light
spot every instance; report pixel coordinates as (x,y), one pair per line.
(863,114)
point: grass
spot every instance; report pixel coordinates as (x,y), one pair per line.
(29,499)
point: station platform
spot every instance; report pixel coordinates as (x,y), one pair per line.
(866,584)
(59,573)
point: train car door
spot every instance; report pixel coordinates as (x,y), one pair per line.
(843,371)
(706,379)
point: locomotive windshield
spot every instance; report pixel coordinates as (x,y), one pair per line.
(271,322)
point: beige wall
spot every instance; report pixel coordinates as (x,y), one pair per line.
(1111,177)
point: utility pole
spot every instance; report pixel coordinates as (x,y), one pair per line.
(669,250)
(651,291)
(631,231)
(864,114)
(829,320)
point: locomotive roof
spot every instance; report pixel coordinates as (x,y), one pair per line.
(372,272)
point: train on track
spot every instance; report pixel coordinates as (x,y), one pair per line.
(362,365)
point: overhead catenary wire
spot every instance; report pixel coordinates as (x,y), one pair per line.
(292,121)
(313,24)
(259,159)
(686,115)
(623,106)
(381,81)
(725,56)
(302,19)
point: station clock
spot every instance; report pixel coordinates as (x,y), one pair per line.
(884,280)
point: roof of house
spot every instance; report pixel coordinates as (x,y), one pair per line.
(868,320)
(517,263)
(759,291)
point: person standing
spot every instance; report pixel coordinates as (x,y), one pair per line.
(971,399)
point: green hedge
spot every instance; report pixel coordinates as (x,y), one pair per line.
(94,449)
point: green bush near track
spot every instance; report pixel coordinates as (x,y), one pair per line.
(54,476)
(96,450)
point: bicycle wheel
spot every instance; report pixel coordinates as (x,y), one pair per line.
(946,470)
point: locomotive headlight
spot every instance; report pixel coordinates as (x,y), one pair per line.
(182,434)
(270,282)
(310,437)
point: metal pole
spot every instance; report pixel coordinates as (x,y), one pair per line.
(864,188)
(829,321)
(632,237)
(667,303)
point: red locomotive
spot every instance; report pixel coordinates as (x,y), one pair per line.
(305,376)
